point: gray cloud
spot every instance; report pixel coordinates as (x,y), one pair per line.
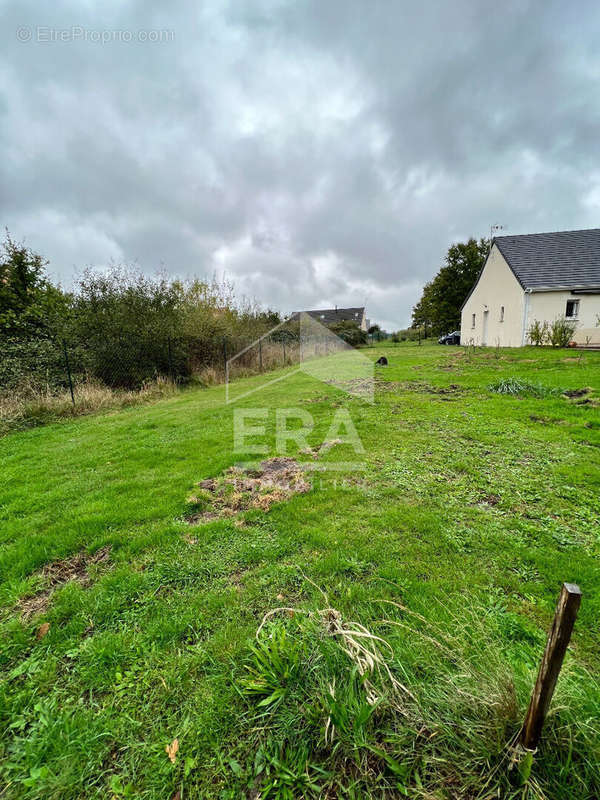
(315,152)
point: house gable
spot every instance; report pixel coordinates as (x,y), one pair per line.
(493,312)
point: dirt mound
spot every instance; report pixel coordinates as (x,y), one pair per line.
(74,568)
(243,489)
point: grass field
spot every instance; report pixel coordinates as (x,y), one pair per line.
(128,655)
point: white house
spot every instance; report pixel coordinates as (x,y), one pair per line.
(537,276)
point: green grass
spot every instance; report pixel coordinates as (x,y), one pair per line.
(472,508)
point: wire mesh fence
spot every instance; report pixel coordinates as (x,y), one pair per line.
(129,363)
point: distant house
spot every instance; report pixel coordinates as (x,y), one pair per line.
(537,276)
(329,316)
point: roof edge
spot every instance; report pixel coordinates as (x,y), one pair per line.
(569,287)
(505,257)
(494,242)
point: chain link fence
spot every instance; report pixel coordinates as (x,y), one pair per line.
(35,366)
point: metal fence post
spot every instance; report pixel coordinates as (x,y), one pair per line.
(225,355)
(260,355)
(283,344)
(68,366)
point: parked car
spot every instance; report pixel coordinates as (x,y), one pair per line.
(450,338)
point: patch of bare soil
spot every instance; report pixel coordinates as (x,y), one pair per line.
(577,392)
(450,392)
(320,398)
(239,490)
(367,386)
(236,579)
(548,420)
(315,452)
(445,391)
(361,387)
(74,568)
(490,500)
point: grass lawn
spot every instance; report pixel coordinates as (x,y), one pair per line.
(471,509)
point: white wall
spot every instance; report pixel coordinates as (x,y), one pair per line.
(548,306)
(497,287)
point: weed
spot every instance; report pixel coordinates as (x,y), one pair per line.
(522,388)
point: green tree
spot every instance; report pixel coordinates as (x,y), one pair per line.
(375,333)
(439,307)
(349,332)
(29,304)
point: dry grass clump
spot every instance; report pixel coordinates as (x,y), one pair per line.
(28,406)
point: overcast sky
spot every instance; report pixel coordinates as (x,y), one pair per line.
(317,153)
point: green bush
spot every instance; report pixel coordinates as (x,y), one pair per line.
(38,364)
(538,333)
(561,332)
(349,332)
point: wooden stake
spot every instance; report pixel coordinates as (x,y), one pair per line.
(556,646)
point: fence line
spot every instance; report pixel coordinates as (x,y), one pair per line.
(129,363)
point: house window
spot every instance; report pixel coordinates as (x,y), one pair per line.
(572,311)
(501,313)
(472,320)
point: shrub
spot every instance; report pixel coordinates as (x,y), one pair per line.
(561,332)
(538,333)
(37,363)
(349,332)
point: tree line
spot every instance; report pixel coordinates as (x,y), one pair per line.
(123,327)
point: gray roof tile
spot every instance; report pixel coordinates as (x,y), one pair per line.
(563,258)
(329,316)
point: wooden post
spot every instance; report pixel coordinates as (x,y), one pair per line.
(260,354)
(556,646)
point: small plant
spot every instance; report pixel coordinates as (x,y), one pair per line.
(561,332)
(519,388)
(539,333)
(470,349)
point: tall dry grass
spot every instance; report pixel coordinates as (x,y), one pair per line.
(29,406)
